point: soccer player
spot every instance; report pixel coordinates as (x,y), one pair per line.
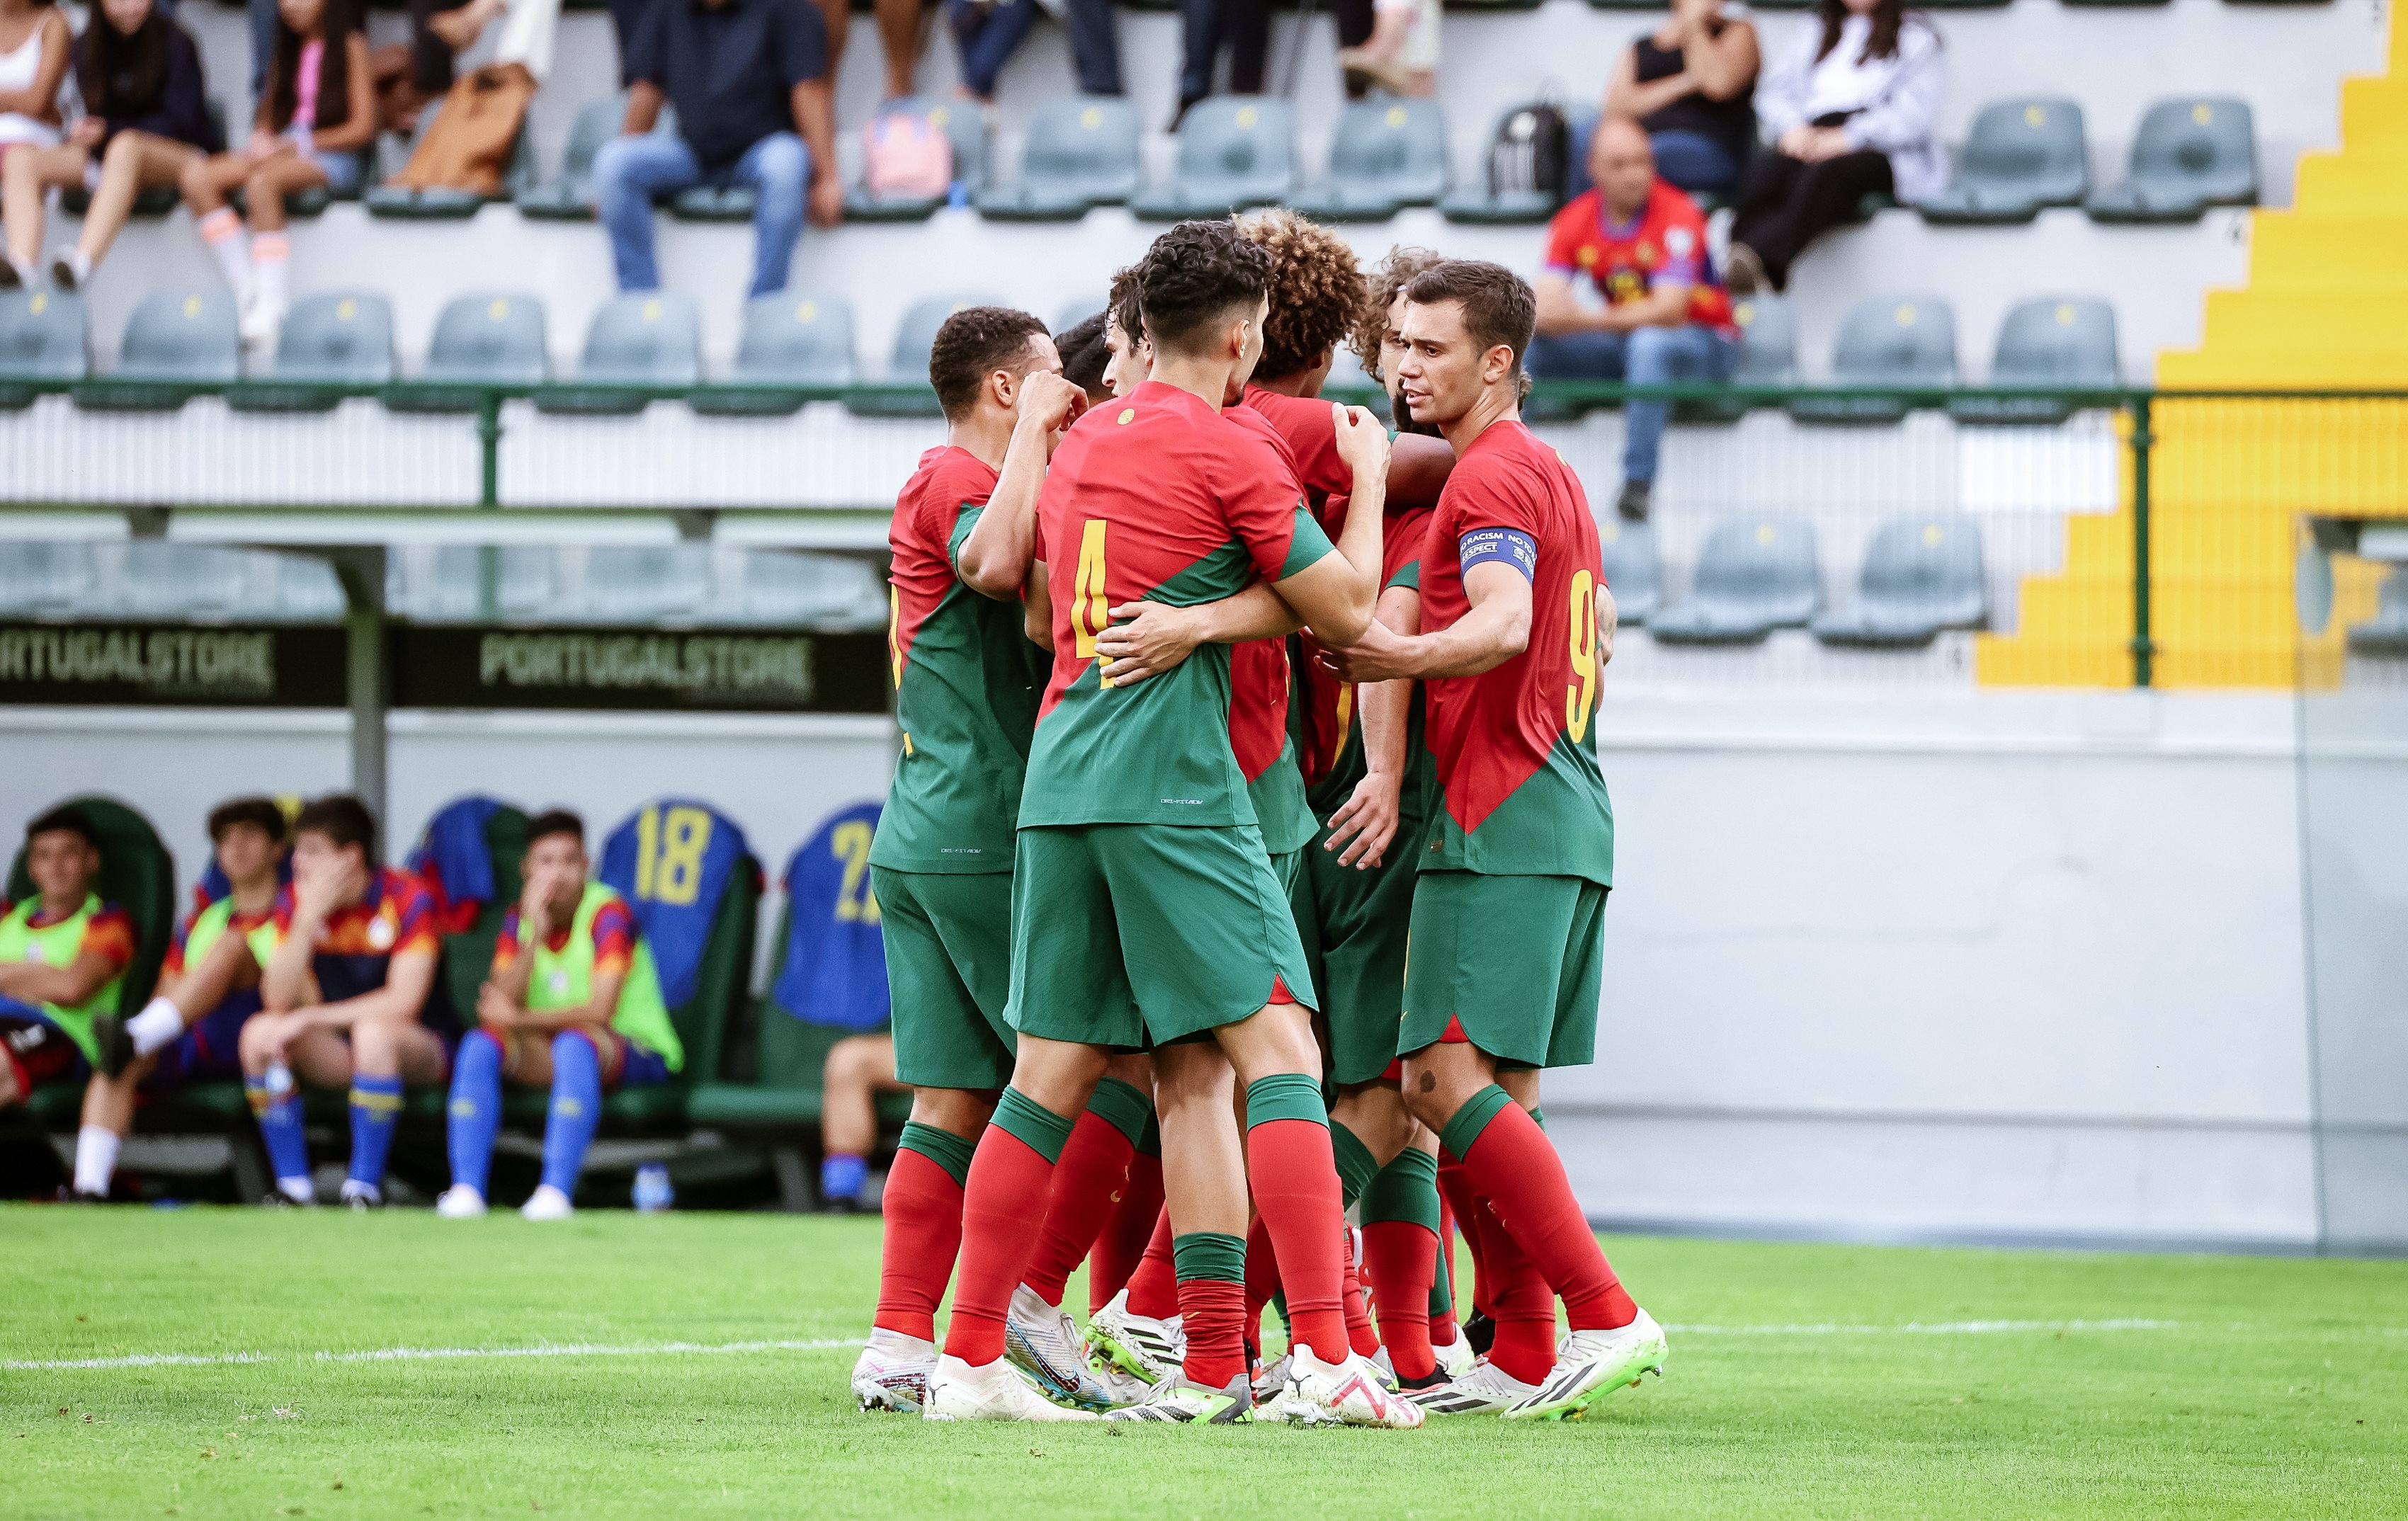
(573,1002)
(347,971)
(1502,971)
(63,953)
(208,987)
(1146,912)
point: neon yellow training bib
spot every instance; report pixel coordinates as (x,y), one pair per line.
(564,978)
(58,945)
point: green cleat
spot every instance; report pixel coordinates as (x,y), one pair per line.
(1593,1364)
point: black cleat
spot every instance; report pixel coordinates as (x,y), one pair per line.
(1480,1331)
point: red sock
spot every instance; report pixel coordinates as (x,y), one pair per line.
(1262,1277)
(1088,1183)
(1121,1245)
(1455,1192)
(1008,1184)
(1443,1327)
(1293,1176)
(1402,1257)
(1359,1333)
(1153,1289)
(1524,1306)
(923,1206)
(1514,1165)
(1209,1308)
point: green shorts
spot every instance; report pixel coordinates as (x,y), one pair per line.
(1354,925)
(1511,964)
(949,972)
(1134,935)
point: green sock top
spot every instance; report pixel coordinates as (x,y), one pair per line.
(1285,1096)
(942,1147)
(1044,1131)
(1406,1189)
(1356,1165)
(1468,1121)
(1122,1106)
(1208,1254)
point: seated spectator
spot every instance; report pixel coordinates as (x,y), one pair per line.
(1666,318)
(749,79)
(409,76)
(62,952)
(146,120)
(316,118)
(1687,82)
(859,1068)
(989,31)
(191,1029)
(36,43)
(1207,26)
(1853,110)
(1398,54)
(347,972)
(899,33)
(573,1004)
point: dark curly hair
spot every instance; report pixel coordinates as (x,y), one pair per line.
(974,343)
(1195,273)
(260,813)
(1316,290)
(1498,306)
(1122,305)
(1084,355)
(1389,278)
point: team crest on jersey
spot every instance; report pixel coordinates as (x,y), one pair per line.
(560,983)
(1128,415)
(1678,241)
(1587,257)
(1646,251)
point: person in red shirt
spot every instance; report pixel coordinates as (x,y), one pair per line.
(1641,243)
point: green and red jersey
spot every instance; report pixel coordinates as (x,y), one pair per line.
(1310,429)
(1327,730)
(965,683)
(1158,497)
(1515,755)
(1259,683)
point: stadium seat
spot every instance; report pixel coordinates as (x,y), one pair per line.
(907,392)
(174,336)
(641,338)
(473,921)
(490,338)
(527,577)
(1235,151)
(1384,156)
(1768,357)
(1630,568)
(1920,575)
(1907,341)
(2386,634)
(789,341)
(965,125)
(2068,341)
(343,339)
(571,197)
(818,591)
(447,203)
(43,340)
(1081,153)
(41,578)
(1752,576)
(1486,205)
(2188,156)
(2022,155)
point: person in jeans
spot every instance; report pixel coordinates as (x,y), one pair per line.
(1643,243)
(1687,82)
(749,79)
(990,31)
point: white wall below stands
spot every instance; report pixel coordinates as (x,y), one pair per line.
(1882,963)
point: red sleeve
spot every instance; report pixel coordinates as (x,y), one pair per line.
(1562,255)
(108,934)
(416,929)
(1401,547)
(1483,494)
(1309,430)
(614,937)
(505,945)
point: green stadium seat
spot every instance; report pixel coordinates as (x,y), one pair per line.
(1754,576)
(820,591)
(447,203)
(2021,156)
(1485,205)
(339,339)
(1632,568)
(43,340)
(2188,156)
(789,341)
(2068,341)
(1768,357)
(2384,635)
(1920,575)
(1235,151)
(491,338)
(644,338)
(1081,153)
(467,956)
(184,336)
(1904,341)
(908,393)
(1384,156)
(964,126)
(570,196)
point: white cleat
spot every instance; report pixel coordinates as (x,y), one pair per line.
(1591,1365)
(1271,1385)
(1343,1394)
(547,1203)
(1043,1341)
(460,1202)
(892,1372)
(995,1392)
(1151,1350)
(1486,1390)
(1455,1358)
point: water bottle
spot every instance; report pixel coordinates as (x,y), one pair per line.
(653,1191)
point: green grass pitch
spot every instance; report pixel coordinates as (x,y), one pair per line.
(688,1372)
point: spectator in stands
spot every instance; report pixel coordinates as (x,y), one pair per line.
(1390,44)
(1641,243)
(989,31)
(191,1028)
(859,1068)
(1687,82)
(34,45)
(1853,110)
(573,1004)
(440,31)
(316,118)
(347,972)
(146,120)
(62,952)
(750,81)
(898,34)
(1086,350)
(1207,26)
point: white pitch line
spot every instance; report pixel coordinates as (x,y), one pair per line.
(1946,1327)
(563,1349)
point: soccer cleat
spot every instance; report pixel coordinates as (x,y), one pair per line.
(547,1203)
(1151,1349)
(1347,1393)
(1486,1390)
(1043,1341)
(1479,1332)
(1386,1366)
(362,1196)
(1180,1402)
(995,1392)
(1271,1382)
(460,1202)
(1455,1358)
(892,1372)
(1594,1363)
(116,1043)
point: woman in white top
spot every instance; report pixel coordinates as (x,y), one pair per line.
(1853,110)
(36,44)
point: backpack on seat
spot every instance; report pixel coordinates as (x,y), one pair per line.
(1531,152)
(905,154)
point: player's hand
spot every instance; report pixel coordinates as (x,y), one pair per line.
(1383,656)
(494,1008)
(323,891)
(1368,819)
(1362,442)
(1148,638)
(1050,403)
(276,1031)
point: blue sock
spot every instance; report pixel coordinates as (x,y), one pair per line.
(279,1127)
(841,1174)
(475,1109)
(575,1109)
(376,1108)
